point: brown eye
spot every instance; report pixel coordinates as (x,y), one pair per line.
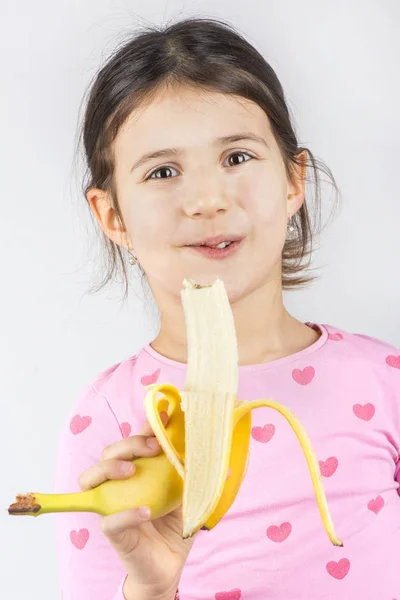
(161,170)
(239,154)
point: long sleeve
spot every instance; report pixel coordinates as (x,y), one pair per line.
(391,387)
(89,566)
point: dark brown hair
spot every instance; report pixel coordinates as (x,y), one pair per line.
(210,55)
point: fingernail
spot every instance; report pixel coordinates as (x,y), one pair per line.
(144,512)
(126,467)
(152,443)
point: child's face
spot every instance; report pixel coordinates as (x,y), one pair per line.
(201,194)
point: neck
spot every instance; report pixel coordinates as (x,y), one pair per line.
(265,330)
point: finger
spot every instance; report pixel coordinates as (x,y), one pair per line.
(115,526)
(131,448)
(104,470)
(134,446)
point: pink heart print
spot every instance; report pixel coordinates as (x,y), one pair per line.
(79,538)
(329,466)
(364,412)
(126,429)
(303,376)
(234,594)
(79,424)
(393,361)
(338,570)
(279,534)
(336,337)
(376,504)
(263,434)
(150,379)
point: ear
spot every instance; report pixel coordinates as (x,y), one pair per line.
(296,190)
(102,207)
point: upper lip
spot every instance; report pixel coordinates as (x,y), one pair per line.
(214,241)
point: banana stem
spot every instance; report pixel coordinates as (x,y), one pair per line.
(309,455)
(37,504)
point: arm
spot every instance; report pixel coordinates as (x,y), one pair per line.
(89,566)
(392,389)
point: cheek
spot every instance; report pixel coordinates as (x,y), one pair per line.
(148,223)
(264,203)
(265,206)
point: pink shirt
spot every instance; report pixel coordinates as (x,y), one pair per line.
(271,545)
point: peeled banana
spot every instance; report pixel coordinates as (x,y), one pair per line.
(207,435)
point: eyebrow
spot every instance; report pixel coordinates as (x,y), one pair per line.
(226,139)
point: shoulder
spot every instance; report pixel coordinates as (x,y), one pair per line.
(119,377)
(359,347)
(102,403)
(97,385)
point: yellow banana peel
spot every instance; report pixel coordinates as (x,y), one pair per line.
(205,444)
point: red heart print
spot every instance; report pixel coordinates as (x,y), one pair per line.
(376,504)
(79,424)
(329,466)
(338,570)
(305,376)
(234,594)
(279,534)
(150,379)
(365,412)
(263,434)
(79,538)
(393,361)
(126,429)
(336,337)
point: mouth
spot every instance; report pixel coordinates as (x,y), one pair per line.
(220,241)
(217,247)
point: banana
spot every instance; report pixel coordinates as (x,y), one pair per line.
(208,433)
(155,483)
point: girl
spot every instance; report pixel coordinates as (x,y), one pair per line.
(167,119)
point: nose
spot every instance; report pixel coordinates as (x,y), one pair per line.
(205,202)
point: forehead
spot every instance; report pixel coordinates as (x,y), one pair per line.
(181,113)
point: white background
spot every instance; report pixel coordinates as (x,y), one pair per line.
(339,65)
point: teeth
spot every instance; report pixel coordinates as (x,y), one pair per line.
(223,244)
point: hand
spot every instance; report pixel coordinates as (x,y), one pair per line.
(152,552)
